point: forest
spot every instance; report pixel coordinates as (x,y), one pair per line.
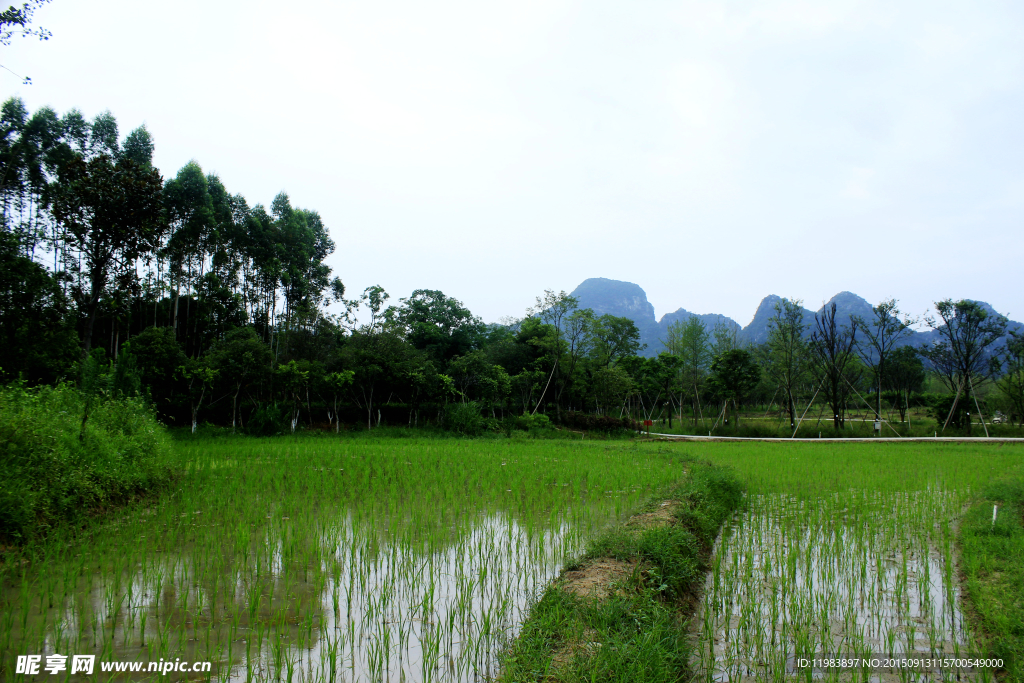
(218,311)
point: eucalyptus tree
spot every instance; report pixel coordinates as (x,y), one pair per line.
(832,352)
(112,216)
(785,352)
(887,328)
(189,210)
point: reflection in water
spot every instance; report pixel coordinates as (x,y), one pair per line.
(352,604)
(859,574)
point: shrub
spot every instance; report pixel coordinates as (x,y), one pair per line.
(464,418)
(56,466)
(268,419)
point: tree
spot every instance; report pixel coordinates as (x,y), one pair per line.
(1011,384)
(691,343)
(199,377)
(17,20)
(880,336)
(613,338)
(786,351)
(960,357)
(904,374)
(37,339)
(734,374)
(112,215)
(832,352)
(553,309)
(438,324)
(240,359)
(159,358)
(295,381)
(333,383)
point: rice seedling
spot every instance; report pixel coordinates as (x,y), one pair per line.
(841,552)
(316,559)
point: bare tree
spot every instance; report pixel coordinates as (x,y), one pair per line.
(832,350)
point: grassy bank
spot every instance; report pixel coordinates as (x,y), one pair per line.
(617,613)
(992,559)
(63,458)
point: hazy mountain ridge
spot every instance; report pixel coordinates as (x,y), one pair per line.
(629,300)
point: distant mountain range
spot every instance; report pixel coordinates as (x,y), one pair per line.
(628,300)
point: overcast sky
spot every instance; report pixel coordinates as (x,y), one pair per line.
(711,152)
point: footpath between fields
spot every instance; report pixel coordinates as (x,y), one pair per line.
(618,612)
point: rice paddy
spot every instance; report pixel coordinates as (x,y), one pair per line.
(324,560)
(361,559)
(837,557)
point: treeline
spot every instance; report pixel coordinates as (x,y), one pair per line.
(217,311)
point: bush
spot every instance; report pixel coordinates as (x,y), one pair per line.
(598,423)
(464,418)
(56,466)
(535,424)
(268,419)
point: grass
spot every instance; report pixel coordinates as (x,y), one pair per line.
(632,633)
(993,569)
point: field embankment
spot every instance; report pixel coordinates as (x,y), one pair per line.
(617,613)
(992,559)
(63,457)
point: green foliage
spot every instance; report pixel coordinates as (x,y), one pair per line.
(55,469)
(464,418)
(268,419)
(536,423)
(598,423)
(37,336)
(734,374)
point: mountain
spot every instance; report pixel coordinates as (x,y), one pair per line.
(629,300)
(757,331)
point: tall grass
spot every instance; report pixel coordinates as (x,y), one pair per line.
(63,456)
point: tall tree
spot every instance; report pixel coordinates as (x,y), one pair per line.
(832,349)
(786,355)
(1011,384)
(112,215)
(961,356)
(691,343)
(880,335)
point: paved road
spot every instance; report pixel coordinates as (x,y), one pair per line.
(906,439)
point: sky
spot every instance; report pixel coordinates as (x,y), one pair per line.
(711,152)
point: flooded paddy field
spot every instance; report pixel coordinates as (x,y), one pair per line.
(321,559)
(361,559)
(842,552)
